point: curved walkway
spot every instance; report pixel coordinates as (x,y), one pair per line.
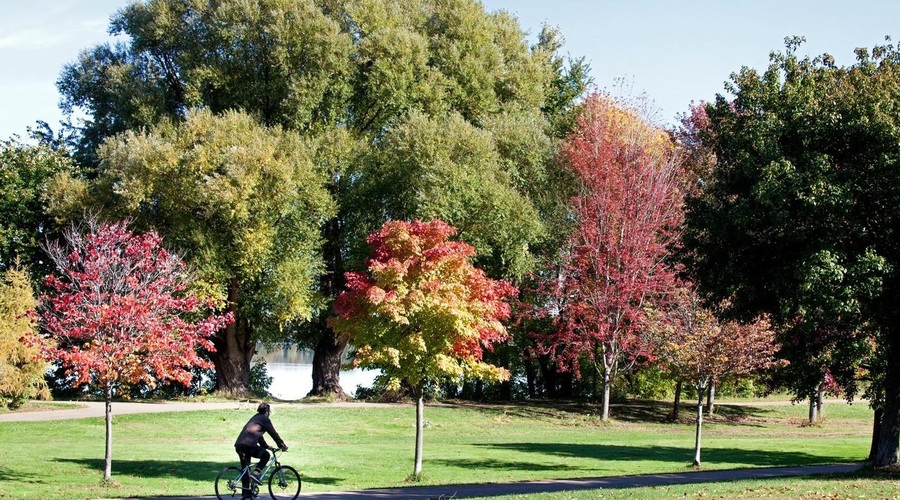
(97,409)
(89,409)
(559,485)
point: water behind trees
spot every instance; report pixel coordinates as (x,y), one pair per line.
(291,372)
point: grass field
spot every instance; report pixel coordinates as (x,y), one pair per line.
(351,448)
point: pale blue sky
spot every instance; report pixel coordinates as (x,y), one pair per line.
(673,51)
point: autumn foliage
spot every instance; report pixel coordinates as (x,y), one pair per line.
(422,310)
(696,347)
(117,312)
(627,214)
(21,366)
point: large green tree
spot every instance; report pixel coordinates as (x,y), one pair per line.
(799,217)
(243,201)
(376,81)
(26,171)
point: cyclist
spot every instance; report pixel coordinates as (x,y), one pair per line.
(250,443)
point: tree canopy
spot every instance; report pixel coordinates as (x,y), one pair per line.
(117,313)
(242,201)
(800,213)
(627,213)
(26,171)
(378,81)
(422,312)
(21,364)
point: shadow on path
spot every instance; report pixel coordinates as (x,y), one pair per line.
(557,485)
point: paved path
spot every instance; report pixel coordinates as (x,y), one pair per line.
(558,485)
(88,409)
(95,409)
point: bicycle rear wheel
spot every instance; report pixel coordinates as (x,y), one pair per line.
(284,483)
(227,483)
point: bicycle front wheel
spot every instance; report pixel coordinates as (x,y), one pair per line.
(284,483)
(227,484)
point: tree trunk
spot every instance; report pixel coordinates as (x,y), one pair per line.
(530,377)
(820,400)
(700,392)
(420,428)
(107,471)
(606,390)
(711,399)
(676,408)
(326,369)
(327,356)
(889,432)
(234,351)
(876,429)
(813,416)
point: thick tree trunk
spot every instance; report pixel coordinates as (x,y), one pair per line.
(711,399)
(234,351)
(889,431)
(876,429)
(700,392)
(420,429)
(326,369)
(676,407)
(327,356)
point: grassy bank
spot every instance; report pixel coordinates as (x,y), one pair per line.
(351,448)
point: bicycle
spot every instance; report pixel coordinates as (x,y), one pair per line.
(284,481)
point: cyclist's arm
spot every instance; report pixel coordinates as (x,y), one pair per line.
(270,428)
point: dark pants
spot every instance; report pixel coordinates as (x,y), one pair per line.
(247,454)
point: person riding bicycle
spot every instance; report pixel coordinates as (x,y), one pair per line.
(250,443)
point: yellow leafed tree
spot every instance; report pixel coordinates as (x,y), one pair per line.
(21,368)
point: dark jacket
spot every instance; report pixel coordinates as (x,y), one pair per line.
(252,434)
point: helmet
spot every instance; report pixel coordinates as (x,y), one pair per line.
(264,408)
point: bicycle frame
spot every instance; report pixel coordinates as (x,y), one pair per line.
(283,480)
(262,475)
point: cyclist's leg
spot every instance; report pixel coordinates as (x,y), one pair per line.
(245,458)
(263,455)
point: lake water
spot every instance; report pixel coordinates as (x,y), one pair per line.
(291,372)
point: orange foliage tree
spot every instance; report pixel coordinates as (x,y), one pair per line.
(695,347)
(422,312)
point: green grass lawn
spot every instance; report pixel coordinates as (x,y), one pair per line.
(352,448)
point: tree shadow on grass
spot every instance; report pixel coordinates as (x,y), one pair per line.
(669,454)
(635,411)
(501,465)
(193,470)
(32,476)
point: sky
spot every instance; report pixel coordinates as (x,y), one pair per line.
(672,52)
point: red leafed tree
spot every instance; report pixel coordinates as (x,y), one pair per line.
(627,214)
(422,311)
(117,313)
(695,347)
